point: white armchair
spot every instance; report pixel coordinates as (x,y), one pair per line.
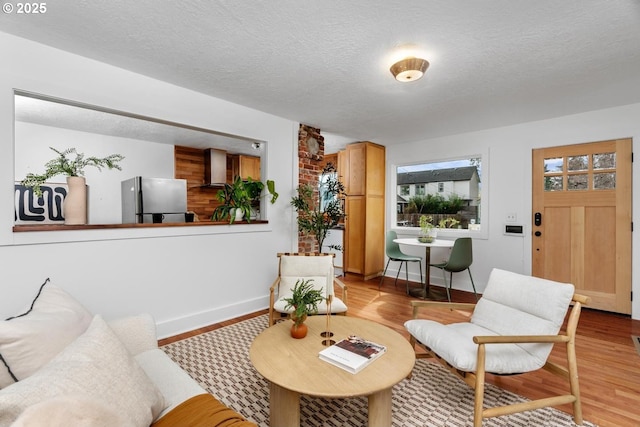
(319,268)
(512,330)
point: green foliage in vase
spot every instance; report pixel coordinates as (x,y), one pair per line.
(425,223)
(63,164)
(304,300)
(241,195)
(318,212)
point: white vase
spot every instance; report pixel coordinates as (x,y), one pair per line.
(74,207)
(239,214)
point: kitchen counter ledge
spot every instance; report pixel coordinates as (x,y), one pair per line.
(62,227)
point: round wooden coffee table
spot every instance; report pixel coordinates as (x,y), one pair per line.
(293,368)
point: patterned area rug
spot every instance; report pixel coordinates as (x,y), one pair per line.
(219,361)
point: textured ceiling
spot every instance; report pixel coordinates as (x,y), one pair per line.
(326,62)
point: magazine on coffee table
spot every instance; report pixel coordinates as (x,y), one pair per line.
(352,354)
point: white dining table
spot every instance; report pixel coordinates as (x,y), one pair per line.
(423,292)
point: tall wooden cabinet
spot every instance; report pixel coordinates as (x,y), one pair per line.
(362,167)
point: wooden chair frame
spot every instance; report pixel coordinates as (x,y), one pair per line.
(276,284)
(476,380)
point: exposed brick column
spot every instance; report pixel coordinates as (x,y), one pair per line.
(310,166)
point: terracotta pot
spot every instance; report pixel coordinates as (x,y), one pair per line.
(299,330)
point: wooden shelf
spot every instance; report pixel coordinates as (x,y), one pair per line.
(62,227)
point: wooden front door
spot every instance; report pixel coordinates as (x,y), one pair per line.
(581,220)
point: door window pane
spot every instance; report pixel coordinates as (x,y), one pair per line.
(604,181)
(578,163)
(604,161)
(553,164)
(577,182)
(553,183)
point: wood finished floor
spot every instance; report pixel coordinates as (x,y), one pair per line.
(608,363)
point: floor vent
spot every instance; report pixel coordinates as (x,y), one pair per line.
(636,342)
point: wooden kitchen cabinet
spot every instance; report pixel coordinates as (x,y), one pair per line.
(245,167)
(363,165)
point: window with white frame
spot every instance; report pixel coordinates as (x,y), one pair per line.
(448,192)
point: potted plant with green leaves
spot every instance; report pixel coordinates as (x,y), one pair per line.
(255,190)
(71,164)
(320,210)
(304,300)
(428,232)
(237,199)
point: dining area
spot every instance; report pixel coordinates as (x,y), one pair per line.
(457,253)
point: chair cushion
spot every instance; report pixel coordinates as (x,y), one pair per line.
(319,282)
(337,306)
(512,304)
(307,266)
(454,343)
(515,304)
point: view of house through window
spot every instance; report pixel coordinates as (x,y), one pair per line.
(447,192)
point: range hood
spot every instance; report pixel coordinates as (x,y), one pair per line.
(215,167)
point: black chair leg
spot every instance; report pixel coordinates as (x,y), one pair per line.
(406,273)
(472,284)
(398,274)
(383,273)
(446,286)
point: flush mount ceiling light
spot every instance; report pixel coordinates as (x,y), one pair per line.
(409,69)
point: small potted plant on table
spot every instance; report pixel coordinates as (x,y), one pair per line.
(304,300)
(428,232)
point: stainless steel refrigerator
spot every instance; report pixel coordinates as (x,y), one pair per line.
(149,200)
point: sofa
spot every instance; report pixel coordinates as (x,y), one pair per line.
(60,365)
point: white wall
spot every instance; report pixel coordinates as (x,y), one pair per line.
(510,181)
(141,158)
(186,277)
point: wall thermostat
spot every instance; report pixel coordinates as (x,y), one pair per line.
(514,230)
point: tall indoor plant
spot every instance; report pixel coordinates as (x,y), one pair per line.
(319,211)
(71,164)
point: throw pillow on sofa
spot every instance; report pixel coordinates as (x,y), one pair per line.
(66,411)
(96,365)
(29,340)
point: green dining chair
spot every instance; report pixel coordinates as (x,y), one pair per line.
(393,252)
(460,259)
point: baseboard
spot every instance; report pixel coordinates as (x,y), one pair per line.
(171,327)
